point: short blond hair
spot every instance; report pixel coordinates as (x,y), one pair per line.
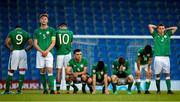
(43,15)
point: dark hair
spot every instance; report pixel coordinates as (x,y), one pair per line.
(43,15)
(148,49)
(100,65)
(76,50)
(160,24)
(121,60)
(62,24)
(18,26)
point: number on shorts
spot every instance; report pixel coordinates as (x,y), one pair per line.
(19,39)
(62,39)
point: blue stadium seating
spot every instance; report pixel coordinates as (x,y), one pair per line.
(94,17)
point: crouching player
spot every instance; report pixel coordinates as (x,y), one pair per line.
(76,72)
(121,74)
(100,77)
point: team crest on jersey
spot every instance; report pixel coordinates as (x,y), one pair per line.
(102,72)
(94,71)
(81,65)
(165,36)
(40,33)
(47,32)
(74,65)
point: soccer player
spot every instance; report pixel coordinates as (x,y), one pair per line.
(44,41)
(144,61)
(64,38)
(121,74)
(15,42)
(76,72)
(100,77)
(161,39)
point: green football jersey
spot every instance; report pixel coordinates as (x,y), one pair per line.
(162,43)
(44,37)
(78,66)
(64,40)
(99,73)
(19,38)
(121,73)
(141,53)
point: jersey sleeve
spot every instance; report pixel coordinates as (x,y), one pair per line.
(70,63)
(139,54)
(154,34)
(127,71)
(114,70)
(71,33)
(169,33)
(93,69)
(85,63)
(53,34)
(105,69)
(10,34)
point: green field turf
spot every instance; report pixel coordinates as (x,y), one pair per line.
(36,95)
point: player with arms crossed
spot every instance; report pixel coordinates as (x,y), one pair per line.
(44,41)
(161,39)
(100,77)
(76,72)
(144,61)
(121,74)
(15,42)
(64,38)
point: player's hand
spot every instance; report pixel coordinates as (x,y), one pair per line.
(44,53)
(75,75)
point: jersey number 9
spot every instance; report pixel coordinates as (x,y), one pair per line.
(19,39)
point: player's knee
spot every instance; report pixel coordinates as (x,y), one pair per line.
(109,79)
(130,78)
(10,72)
(89,81)
(84,77)
(114,78)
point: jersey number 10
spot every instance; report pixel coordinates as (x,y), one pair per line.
(63,39)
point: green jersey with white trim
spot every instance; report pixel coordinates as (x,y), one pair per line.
(121,72)
(45,37)
(162,43)
(99,73)
(19,38)
(78,66)
(144,58)
(64,38)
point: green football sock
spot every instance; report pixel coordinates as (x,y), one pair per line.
(130,85)
(67,85)
(83,86)
(8,82)
(21,80)
(158,85)
(138,85)
(58,86)
(147,85)
(168,83)
(114,87)
(51,82)
(43,80)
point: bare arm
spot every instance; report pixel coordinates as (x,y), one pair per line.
(151,28)
(51,46)
(30,45)
(173,29)
(68,70)
(138,63)
(149,63)
(8,43)
(94,83)
(37,46)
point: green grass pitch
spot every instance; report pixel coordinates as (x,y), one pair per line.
(36,95)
